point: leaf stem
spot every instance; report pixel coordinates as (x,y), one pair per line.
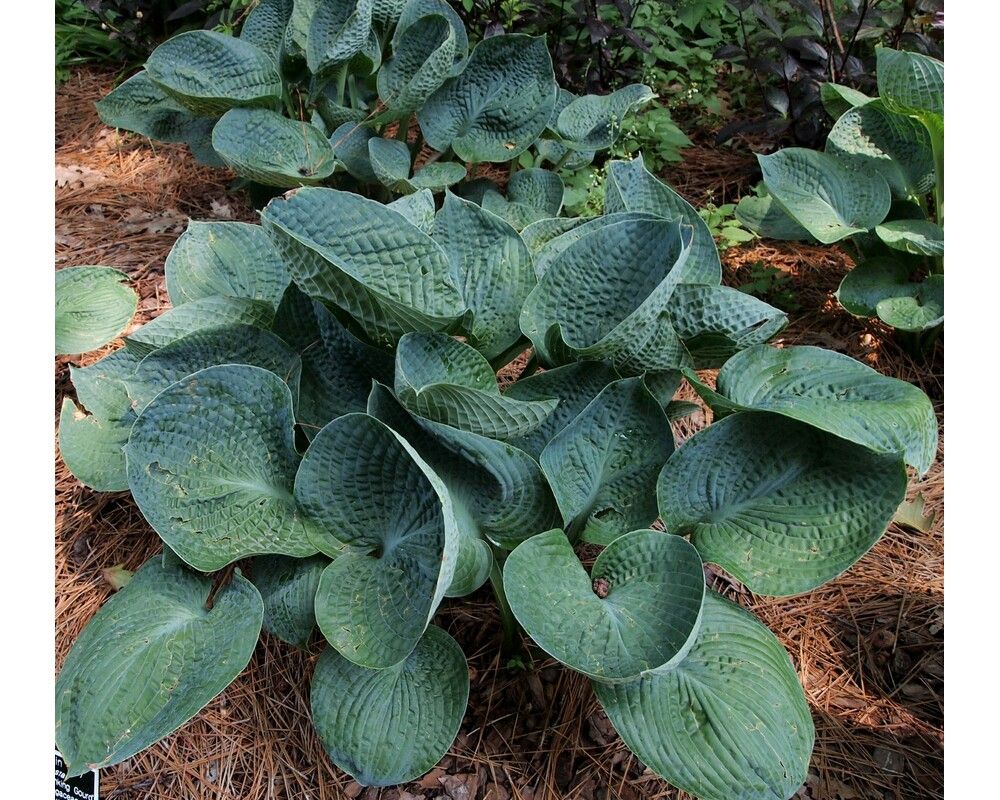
(511,629)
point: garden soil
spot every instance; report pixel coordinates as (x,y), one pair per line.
(868,646)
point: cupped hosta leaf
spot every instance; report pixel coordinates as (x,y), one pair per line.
(422,59)
(606,297)
(139,105)
(368,259)
(91,447)
(268,148)
(415,10)
(574,384)
(388,726)
(637,612)
(838,99)
(547,252)
(337,368)
(498,491)
(915,236)
(538,234)
(369,490)
(350,146)
(767,218)
(211,463)
(832,392)
(593,122)
(265,26)
(910,82)
(198,138)
(829,198)
(537,188)
(297,33)
(196,315)
(498,105)
(632,187)
(874,280)
(444,380)
(209,347)
(208,72)
(338,31)
(871,137)
(288,589)
(385,13)
(390,160)
(151,659)
(555,153)
(730,722)
(233,259)
(918,311)
(102,387)
(716,322)
(93,306)
(492,267)
(437,176)
(603,465)
(782,506)
(417,209)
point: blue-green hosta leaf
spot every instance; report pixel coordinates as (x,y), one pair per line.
(832,392)
(446,381)
(369,489)
(594,122)
(93,306)
(768,219)
(874,280)
(390,161)
(195,315)
(716,322)
(632,187)
(838,99)
(423,55)
(265,26)
(730,722)
(338,31)
(637,612)
(574,384)
(438,175)
(605,297)
(492,267)
(139,105)
(418,209)
(288,588)
(388,726)
(208,73)
(198,138)
(782,506)
(332,114)
(915,236)
(297,33)
(538,234)
(555,153)
(209,347)
(369,260)
(211,463)
(350,146)
(603,465)
(871,137)
(102,387)
(911,83)
(829,198)
(337,368)
(149,660)
(918,311)
(234,259)
(580,229)
(269,148)
(385,13)
(498,106)
(537,188)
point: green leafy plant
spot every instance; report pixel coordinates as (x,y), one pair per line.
(80,39)
(879,183)
(771,284)
(320,407)
(727,230)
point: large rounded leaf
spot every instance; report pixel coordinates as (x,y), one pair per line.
(211,463)
(910,82)
(838,99)
(385,727)
(829,198)
(637,612)
(919,237)
(152,658)
(538,234)
(350,146)
(768,219)
(196,315)
(632,187)
(367,259)
(268,148)
(233,259)
(417,208)
(369,490)
(288,588)
(832,392)
(917,312)
(498,106)
(593,122)
(338,31)
(415,10)
(208,72)
(265,26)
(782,506)
(93,306)
(422,59)
(602,467)
(446,381)
(139,105)
(880,286)
(606,297)
(730,722)
(546,253)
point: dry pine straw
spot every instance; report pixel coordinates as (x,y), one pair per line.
(868,646)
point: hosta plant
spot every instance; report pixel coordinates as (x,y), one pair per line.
(317,432)
(326,91)
(879,183)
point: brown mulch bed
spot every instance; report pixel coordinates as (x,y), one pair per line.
(868,646)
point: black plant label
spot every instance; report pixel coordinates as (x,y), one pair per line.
(83,787)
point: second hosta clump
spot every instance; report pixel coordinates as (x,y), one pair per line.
(321,406)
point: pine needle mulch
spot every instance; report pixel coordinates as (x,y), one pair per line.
(868,646)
